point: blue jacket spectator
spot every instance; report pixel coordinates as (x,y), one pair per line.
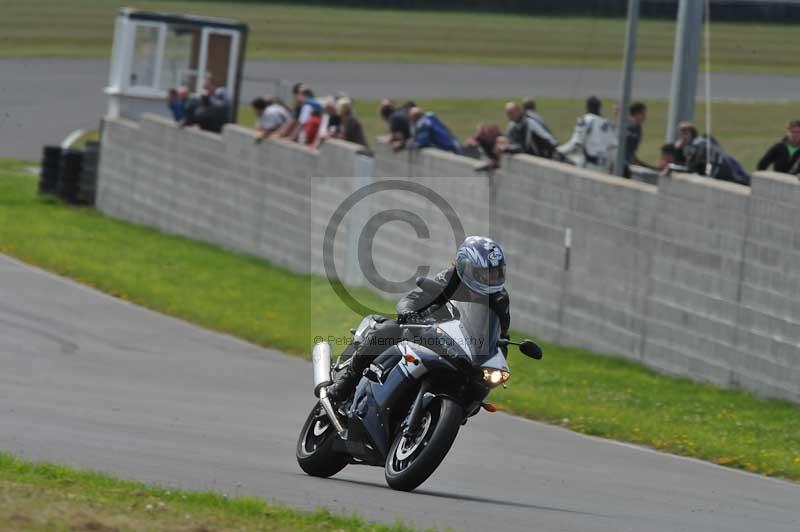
(430,132)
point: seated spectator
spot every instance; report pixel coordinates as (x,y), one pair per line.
(350,128)
(785,155)
(488,141)
(430,132)
(526,134)
(311,127)
(398,122)
(270,116)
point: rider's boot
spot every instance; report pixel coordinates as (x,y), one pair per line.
(344,384)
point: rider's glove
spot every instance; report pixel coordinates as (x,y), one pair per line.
(410,318)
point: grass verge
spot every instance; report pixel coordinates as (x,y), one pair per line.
(745,129)
(249,298)
(284,31)
(50,497)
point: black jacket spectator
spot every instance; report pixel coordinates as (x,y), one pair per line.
(785,155)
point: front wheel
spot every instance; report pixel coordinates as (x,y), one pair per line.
(314,447)
(411,460)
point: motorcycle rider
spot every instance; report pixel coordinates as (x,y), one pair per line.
(477,275)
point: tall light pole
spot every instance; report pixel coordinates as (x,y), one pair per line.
(688,36)
(627,82)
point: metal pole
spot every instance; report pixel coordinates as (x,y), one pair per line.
(688,36)
(627,81)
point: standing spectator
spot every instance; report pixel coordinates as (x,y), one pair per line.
(309,106)
(206,112)
(430,132)
(398,122)
(290,126)
(270,116)
(637,114)
(667,158)
(350,129)
(529,107)
(526,134)
(331,121)
(593,144)
(785,155)
(703,155)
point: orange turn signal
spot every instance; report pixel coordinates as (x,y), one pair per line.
(489,407)
(411,359)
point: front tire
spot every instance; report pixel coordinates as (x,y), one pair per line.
(411,461)
(314,447)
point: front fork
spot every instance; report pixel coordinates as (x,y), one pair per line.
(416,411)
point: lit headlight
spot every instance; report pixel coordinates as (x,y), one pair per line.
(494,377)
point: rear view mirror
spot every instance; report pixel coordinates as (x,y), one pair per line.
(529,348)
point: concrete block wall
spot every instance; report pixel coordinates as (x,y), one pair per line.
(691,277)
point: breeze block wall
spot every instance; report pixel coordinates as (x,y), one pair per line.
(693,277)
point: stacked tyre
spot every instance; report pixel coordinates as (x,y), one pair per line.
(71,163)
(87,185)
(51,168)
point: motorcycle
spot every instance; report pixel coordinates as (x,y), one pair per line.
(410,403)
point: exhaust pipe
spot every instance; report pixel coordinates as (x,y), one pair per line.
(321,361)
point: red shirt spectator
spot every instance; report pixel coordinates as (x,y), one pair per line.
(311,128)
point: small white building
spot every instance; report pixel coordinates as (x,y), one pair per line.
(156,52)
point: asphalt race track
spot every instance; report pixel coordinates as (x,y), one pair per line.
(92,381)
(44,99)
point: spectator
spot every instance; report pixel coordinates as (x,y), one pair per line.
(527,134)
(637,114)
(311,127)
(488,141)
(430,132)
(529,107)
(785,155)
(309,106)
(593,144)
(398,122)
(686,135)
(205,112)
(290,126)
(667,159)
(176,102)
(350,128)
(702,154)
(270,116)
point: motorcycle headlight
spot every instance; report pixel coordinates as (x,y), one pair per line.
(495,377)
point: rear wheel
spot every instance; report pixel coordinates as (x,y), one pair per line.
(314,447)
(412,459)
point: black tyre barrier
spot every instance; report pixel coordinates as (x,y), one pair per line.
(71,163)
(51,168)
(87,184)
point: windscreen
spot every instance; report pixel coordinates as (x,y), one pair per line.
(480,325)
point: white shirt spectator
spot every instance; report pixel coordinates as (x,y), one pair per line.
(593,144)
(273,117)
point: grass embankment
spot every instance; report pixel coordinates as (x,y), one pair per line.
(85,28)
(745,129)
(49,497)
(269,306)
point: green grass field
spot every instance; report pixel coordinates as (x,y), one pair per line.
(85,27)
(44,497)
(745,130)
(256,301)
